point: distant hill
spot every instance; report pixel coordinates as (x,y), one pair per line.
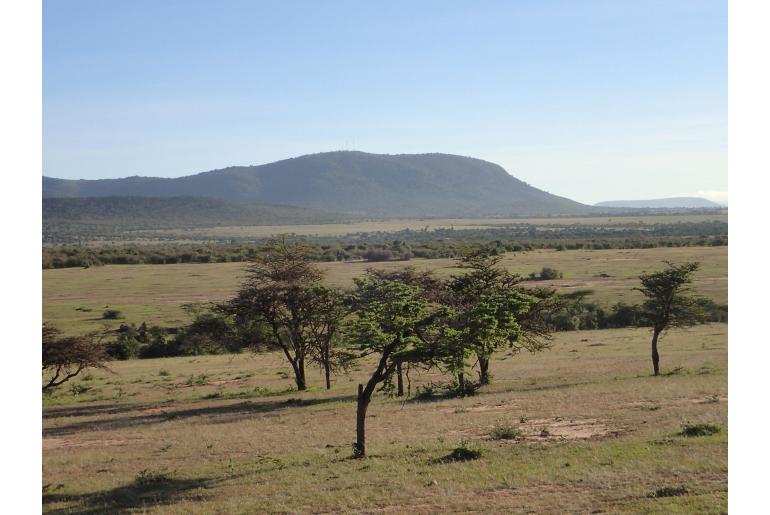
(662,203)
(175,212)
(358,183)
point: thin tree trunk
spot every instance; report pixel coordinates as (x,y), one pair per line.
(363,404)
(400,381)
(483,370)
(364,397)
(301,383)
(327,373)
(461,382)
(655,356)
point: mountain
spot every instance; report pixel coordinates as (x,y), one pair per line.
(357,183)
(662,203)
(176,212)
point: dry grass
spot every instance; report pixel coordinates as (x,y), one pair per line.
(154,293)
(415,224)
(600,433)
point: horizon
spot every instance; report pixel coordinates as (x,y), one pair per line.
(593,101)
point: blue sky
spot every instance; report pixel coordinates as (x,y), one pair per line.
(593,100)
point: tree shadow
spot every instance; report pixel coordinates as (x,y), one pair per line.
(123,499)
(227,413)
(95,409)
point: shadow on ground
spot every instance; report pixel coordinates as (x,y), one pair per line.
(126,498)
(221,413)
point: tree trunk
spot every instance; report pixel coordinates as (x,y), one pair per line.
(483,370)
(461,382)
(327,373)
(301,383)
(655,357)
(363,404)
(400,381)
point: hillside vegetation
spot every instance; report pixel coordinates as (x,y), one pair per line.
(436,185)
(105,215)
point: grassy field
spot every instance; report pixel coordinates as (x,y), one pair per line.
(227,434)
(341,229)
(75,298)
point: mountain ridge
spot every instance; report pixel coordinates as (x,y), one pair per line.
(350,182)
(661,203)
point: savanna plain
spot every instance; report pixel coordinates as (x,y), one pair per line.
(581,427)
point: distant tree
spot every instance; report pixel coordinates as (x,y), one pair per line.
(389,317)
(668,302)
(279,292)
(64,357)
(546,274)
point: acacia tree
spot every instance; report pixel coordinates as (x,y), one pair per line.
(389,320)
(64,357)
(493,312)
(431,289)
(325,344)
(279,291)
(668,302)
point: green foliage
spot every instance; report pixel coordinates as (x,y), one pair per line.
(668,302)
(503,430)
(64,357)
(546,274)
(377,246)
(699,429)
(485,311)
(669,491)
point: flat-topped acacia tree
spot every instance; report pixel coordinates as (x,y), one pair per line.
(669,302)
(283,291)
(64,357)
(390,319)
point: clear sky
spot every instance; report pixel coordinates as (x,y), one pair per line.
(593,100)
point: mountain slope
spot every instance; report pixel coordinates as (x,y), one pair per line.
(662,203)
(176,212)
(406,185)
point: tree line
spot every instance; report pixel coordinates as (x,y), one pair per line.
(380,247)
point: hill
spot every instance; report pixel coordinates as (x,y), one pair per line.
(374,185)
(662,203)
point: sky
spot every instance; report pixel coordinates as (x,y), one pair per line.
(592,100)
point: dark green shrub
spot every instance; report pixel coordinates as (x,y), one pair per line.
(691,430)
(112,314)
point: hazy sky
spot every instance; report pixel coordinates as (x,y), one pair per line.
(593,100)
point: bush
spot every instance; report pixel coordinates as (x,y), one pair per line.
(669,491)
(505,431)
(112,314)
(546,274)
(691,430)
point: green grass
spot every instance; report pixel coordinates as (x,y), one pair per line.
(155,293)
(290,451)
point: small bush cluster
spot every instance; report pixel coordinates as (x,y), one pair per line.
(692,430)
(505,431)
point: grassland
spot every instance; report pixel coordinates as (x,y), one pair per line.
(75,298)
(416,224)
(226,434)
